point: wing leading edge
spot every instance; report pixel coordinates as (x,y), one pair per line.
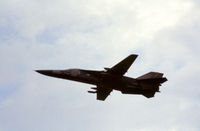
(122,67)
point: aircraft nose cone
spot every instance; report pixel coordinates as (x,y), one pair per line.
(44,72)
(52,73)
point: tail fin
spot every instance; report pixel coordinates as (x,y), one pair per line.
(151,80)
(150,75)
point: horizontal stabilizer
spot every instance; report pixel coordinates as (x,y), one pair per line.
(153,80)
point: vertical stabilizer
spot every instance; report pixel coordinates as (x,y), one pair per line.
(150,75)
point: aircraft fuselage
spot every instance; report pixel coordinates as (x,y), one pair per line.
(113,79)
(124,84)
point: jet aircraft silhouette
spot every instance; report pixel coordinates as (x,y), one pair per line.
(113,79)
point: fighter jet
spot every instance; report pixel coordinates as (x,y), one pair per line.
(113,79)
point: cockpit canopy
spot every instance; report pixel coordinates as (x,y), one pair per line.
(72,72)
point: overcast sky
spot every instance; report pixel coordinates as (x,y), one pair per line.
(91,34)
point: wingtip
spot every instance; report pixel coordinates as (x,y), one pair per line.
(133,55)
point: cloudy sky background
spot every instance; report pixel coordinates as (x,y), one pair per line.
(41,34)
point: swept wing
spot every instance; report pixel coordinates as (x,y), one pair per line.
(103,93)
(122,67)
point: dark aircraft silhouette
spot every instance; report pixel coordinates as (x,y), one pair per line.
(113,79)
